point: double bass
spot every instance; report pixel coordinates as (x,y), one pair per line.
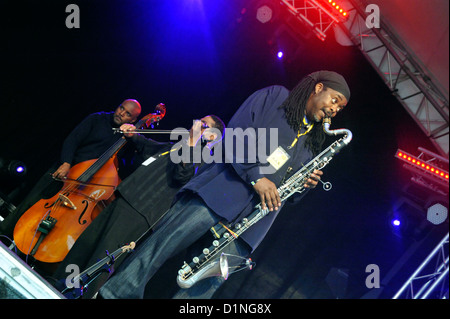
(49,228)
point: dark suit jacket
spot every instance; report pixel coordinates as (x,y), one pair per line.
(226,187)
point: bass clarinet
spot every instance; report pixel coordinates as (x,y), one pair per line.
(212,261)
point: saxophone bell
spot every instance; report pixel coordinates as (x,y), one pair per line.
(224,266)
(217,268)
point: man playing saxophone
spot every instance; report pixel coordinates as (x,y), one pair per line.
(228,191)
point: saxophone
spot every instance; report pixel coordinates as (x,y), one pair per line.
(212,261)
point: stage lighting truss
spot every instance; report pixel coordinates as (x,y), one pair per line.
(428,169)
(410,83)
(413,87)
(430,279)
(318,15)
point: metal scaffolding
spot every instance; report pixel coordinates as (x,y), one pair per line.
(414,89)
(404,76)
(431,181)
(313,14)
(430,280)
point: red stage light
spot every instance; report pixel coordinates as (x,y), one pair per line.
(427,167)
(337,9)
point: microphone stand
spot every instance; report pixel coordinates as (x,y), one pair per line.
(81,281)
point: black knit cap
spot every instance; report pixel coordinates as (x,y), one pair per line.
(332,80)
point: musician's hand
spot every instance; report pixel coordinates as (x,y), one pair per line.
(195,133)
(268,194)
(313,179)
(62,171)
(127,128)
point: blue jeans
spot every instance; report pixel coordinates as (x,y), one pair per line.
(184,224)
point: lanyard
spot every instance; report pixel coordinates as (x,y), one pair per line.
(308,129)
(151,159)
(170,151)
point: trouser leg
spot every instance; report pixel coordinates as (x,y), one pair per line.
(186,221)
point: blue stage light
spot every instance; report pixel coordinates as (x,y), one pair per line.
(396,222)
(12,167)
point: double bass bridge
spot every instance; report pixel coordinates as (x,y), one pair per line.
(66,201)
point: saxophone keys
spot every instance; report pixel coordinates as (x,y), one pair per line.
(185,269)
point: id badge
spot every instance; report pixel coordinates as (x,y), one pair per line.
(278,158)
(149,160)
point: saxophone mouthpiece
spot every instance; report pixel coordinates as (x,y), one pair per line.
(326,123)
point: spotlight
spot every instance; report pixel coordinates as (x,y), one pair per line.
(396,222)
(264,14)
(405,219)
(437,214)
(13,168)
(284,44)
(17,168)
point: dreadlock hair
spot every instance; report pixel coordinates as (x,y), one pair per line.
(295,107)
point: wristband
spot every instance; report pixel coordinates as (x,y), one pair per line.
(254,182)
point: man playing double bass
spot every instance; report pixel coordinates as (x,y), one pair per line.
(89,140)
(93,136)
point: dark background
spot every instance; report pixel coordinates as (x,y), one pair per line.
(202,57)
